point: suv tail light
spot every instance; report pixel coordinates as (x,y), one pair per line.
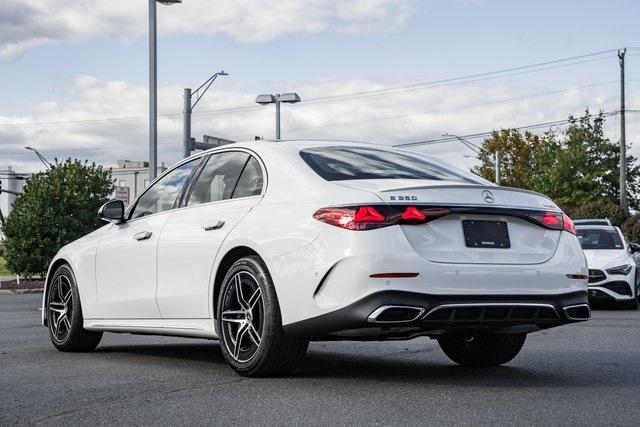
(372,217)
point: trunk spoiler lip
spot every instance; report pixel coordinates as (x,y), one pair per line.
(495,209)
(474,186)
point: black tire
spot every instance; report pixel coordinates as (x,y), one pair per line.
(251,336)
(481,349)
(64,319)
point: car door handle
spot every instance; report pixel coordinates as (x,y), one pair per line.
(142,235)
(213,225)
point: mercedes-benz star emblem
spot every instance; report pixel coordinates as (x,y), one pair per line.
(487,196)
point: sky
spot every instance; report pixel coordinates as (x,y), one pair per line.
(74,74)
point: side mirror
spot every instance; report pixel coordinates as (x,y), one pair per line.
(634,247)
(112,211)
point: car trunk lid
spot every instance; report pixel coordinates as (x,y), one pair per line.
(486,224)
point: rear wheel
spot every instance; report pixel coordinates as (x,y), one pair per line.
(249,323)
(64,314)
(481,349)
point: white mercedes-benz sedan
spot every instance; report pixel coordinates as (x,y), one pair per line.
(266,246)
(613,269)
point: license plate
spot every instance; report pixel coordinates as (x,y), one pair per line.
(486,234)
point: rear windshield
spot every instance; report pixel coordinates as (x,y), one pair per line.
(600,239)
(343,163)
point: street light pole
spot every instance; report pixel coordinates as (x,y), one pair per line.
(186,124)
(153,88)
(278,117)
(44,161)
(187,141)
(288,98)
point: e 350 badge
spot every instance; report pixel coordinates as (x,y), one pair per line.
(404,197)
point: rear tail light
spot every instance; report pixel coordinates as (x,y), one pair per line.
(372,217)
(554,221)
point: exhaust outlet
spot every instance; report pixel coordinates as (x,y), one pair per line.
(395,314)
(577,312)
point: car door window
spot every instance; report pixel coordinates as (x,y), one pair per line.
(163,194)
(250,182)
(218,178)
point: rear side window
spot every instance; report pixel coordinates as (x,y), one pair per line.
(250,182)
(218,177)
(343,163)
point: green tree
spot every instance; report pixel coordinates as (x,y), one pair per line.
(574,167)
(600,209)
(631,228)
(55,208)
(519,153)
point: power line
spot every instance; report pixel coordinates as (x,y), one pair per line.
(400,116)
(506,72)
(488,133)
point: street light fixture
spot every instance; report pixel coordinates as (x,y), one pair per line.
(44,161)
(153,88)
(187,141)
(289,98)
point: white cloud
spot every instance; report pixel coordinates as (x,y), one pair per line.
(28,23)
(90,125)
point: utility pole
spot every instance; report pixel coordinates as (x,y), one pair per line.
(497,167)
(186,125)
(623,141)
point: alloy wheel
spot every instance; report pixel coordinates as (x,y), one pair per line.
(242,316)
(60,308)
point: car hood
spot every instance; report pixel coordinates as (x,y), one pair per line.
(607,258)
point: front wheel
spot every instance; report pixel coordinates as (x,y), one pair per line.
(64,314)
(481,349)
(249,323)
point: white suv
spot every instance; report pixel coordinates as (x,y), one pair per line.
(613,270)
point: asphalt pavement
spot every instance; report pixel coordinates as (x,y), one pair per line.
(580,374)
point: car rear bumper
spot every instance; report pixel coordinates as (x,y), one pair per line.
(397,314)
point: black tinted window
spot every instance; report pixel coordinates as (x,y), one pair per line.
(218,178)
(342,163)
(163,194)
(599,239)
(250,182)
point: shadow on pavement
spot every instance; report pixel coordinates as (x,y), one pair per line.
(326,364)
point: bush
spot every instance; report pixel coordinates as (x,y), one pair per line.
(600,209)
(631,228)
(55,208)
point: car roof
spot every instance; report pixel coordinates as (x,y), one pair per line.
(592,221)
(596,227)
(299,144)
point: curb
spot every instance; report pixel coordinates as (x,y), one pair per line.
(20,291)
